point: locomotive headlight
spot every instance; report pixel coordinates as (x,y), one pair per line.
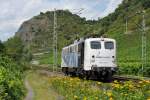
(93,56)
(93,59)
(114,61)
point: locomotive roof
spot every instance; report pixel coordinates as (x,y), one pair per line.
(90,39)
(105,39)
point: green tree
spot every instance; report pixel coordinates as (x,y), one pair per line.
(14,48)
(146,4)
(2,48)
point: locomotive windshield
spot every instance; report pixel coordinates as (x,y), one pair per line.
(95,45)
(109,45)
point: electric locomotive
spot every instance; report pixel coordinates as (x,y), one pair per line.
(90,57)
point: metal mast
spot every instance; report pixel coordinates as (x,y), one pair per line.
(144,53)
(126,25)
(55,42)
(126,30)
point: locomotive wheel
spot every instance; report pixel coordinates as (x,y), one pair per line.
(82,74)
(65,71)
(73,74)
(108,77)
(87,75)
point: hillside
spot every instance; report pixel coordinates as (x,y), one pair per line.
(129,43)
(37,32)
(39,29)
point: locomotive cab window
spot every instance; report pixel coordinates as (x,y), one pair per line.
(109,45)
(95,45)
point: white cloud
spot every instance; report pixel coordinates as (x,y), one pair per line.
(14,12)
(113,4)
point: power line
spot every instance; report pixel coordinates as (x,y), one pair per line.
(142,28)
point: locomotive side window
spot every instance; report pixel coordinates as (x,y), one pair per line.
(109,45)
(95,45)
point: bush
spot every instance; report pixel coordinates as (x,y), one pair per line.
(133,68)
(2,48)
(11,82)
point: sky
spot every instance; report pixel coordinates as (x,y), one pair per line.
(15,12)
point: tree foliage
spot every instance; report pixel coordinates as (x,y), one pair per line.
(146,4)
(2,48)
(14,48)
(11,82)
(11,70)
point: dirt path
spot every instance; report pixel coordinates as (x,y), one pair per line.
(30,91)
(38,86)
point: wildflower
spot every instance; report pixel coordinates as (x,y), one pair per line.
(121,87)
(66,96)
(98,83)
(115,81)
(75,97)
(71,79)
(84,98)
(96,98)
(110,98)
(140,82)
(116,85)
(109,93)
(148,98)
(138,86)
(146,81)
(131,86)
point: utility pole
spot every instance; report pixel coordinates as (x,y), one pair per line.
(55,42)
(144,53)
(126,25)
(143,40)
(126,32)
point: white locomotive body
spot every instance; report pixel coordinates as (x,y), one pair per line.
(90,56)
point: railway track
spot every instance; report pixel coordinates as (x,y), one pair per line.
(129,78)
(115,77)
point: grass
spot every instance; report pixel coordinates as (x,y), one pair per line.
(47,58)
(41,87)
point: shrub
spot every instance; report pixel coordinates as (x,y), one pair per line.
(11,83)
(134,68)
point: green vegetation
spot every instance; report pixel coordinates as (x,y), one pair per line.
(11,82)
(133,68)
(16,50)
(46,58)
(77,89)
(2,48)
(12,67)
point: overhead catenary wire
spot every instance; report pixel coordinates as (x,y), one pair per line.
(142,28)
